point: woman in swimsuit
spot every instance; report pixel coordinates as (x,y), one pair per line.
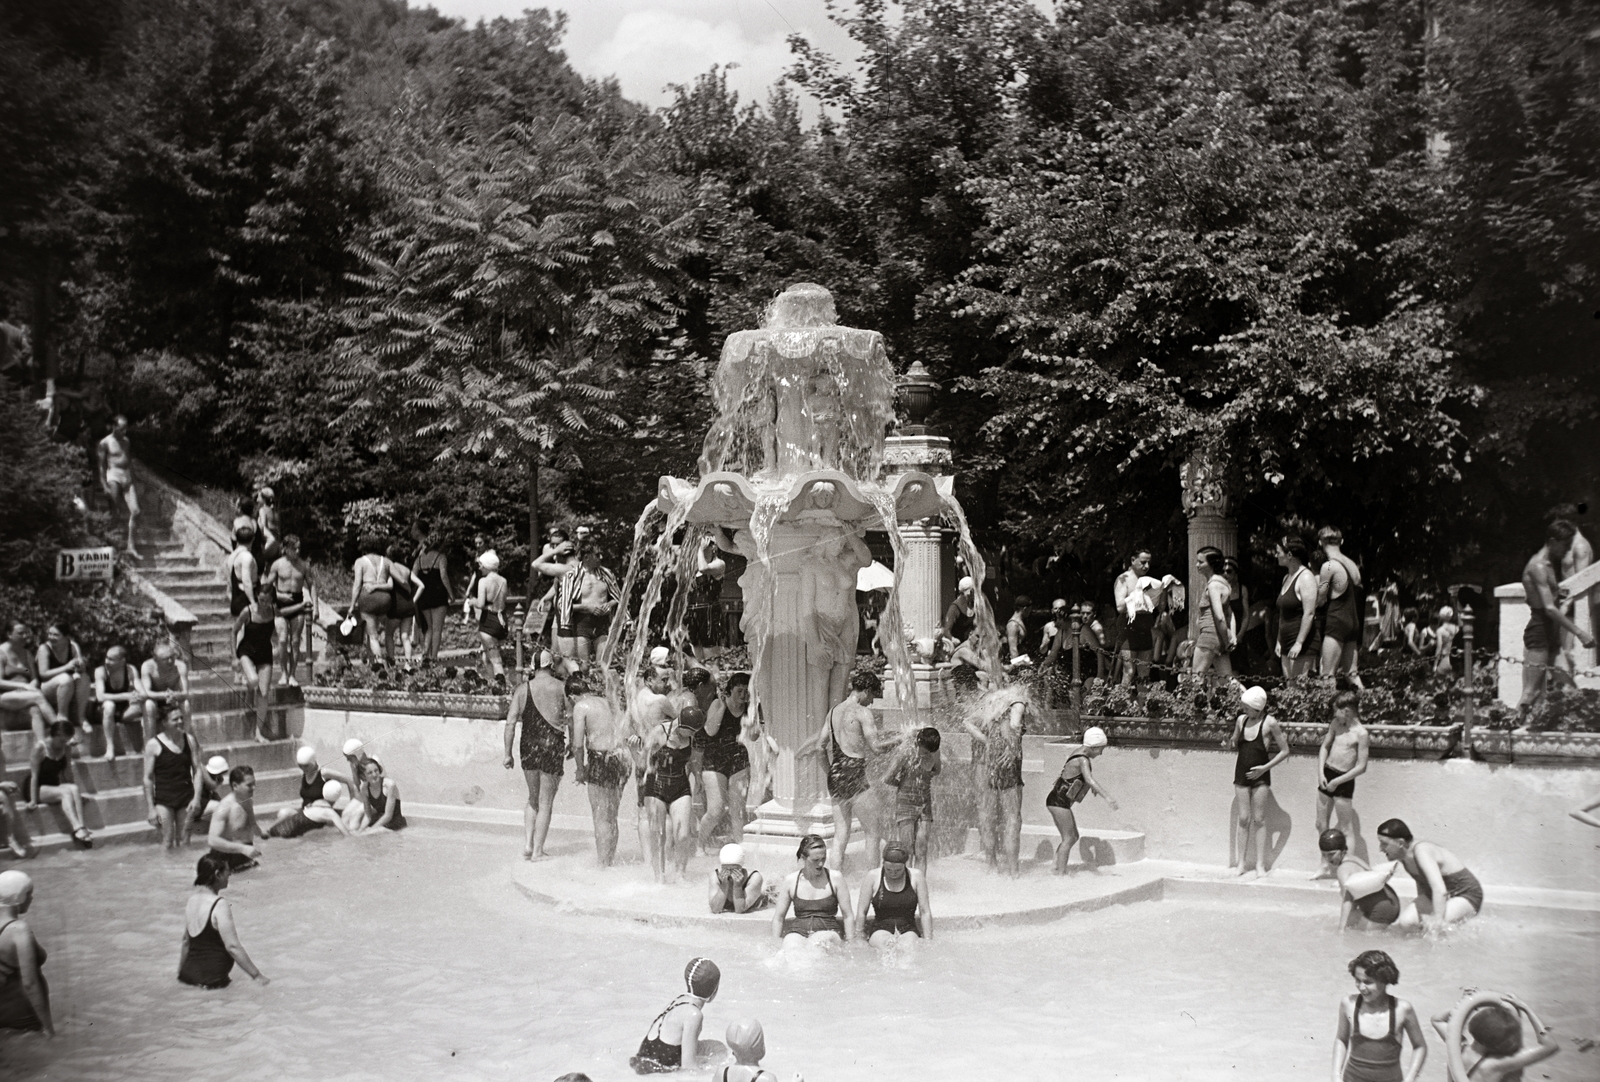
(432,574)
(61,668)
(371,589)
(402,612)
(673,1039)
(51,782)
(488,600)
(380,797)
(1076,782)
(210,940)
(667,798)
(1358,1055)
(725,769)
(1297,606)
(24,994)
(817,904)
(172,784)
(253,629)
(893,903)
(19,684)
(1446,890)
(1252,774)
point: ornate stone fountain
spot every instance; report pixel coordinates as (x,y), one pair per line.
(792,476)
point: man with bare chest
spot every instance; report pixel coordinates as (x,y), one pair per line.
(115,459)
(1541,639)
(1342,757)
(846,740)
(602,761)
(288,578)
(234,830)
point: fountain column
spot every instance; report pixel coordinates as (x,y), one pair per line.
(1210,524)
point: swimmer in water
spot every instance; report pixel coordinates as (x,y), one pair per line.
(673,1040)
(893,903)
(734,888)
(1494,1035)
(1363,890)
(1447,891)
(817,903)
(1366,1042)
(748,1044)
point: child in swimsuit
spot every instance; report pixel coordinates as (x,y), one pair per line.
(1494,1035)
(682,1018)
(1366,1058)
(748,1044)
(911,777)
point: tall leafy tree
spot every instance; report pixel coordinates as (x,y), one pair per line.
(504,284)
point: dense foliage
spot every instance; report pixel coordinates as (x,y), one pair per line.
(389,263)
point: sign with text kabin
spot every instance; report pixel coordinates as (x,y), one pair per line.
(80,565)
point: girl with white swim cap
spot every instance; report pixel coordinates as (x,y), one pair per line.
(1077,781)
(733,887)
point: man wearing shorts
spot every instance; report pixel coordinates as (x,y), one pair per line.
(1340,760)
(540,706)
(596,594)
(116,479)
(1447,891)
(845,740)
(119,697)
(1339,599)
(288,578)
(602,763)
(1541,639)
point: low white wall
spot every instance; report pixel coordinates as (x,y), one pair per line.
(1509,823)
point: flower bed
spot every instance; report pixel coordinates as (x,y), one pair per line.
(1387,741)
(437,704)
(420,688)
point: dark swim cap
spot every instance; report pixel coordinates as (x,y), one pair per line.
(692,717)
(1332,841)
(702,977)
(894,854)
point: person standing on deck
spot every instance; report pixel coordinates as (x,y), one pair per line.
(540,706)
(1215,641)
(846,741)
(1297,607)
(1541,639)
(1253,733)
(1580,554)
(1340,760)
(287,575)
(1339,599)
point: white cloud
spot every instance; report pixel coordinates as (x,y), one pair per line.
(650,49)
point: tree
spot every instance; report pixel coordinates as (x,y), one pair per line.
(505,281)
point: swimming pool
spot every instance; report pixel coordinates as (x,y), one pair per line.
(413,957)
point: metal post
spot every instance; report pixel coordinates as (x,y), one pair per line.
(1472,688)
(519,616)
(1077,677)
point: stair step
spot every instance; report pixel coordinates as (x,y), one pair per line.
(119,807)
(184,576)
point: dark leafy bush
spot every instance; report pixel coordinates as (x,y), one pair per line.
(98,616)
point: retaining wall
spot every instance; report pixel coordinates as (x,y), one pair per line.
(1508,822)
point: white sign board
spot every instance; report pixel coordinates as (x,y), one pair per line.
(80,565)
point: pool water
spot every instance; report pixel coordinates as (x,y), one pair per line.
(413,957)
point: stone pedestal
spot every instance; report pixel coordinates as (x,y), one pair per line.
(1211,523)
(922,579)
(1513,605)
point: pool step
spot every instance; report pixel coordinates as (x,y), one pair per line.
(109,808)
(141,832)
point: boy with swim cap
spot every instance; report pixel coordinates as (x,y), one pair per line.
(748,1044)
(735,889)
(658,1052)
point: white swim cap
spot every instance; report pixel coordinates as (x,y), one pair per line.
(216,765)
(660,656)
(353,745)
(1447,613)
(746,1039)
(14,886)
(305,755)
(731,854)
(965,584)
(1058,603)
(1255,698)
(332,791)
(1094,737)
(489,561)
(546,659)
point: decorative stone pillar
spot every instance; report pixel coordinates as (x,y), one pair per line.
(1211,523)
(922,578)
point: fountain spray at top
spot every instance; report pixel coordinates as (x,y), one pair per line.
(802,393)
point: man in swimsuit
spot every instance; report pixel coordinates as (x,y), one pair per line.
(19,682)
(166,687)
(115,456)
(287,576)
(1580,554)
(1338,596)
(1541,639)
(120,695)
(1447,891)
(653,706)
(234,830)
(596,594)
(602,763)
(557,562)
(540,705)
(1340,760)
(172,784)
(849,737)
(243,572)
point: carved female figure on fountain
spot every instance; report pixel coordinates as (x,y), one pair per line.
(828,595)
(826,410)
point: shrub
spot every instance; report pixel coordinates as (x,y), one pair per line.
(98,616)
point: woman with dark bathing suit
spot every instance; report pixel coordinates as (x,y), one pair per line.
(24,995)
(673,1040)
(210,941)
(894,905)
(816,901)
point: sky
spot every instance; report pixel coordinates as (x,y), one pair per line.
(648,44)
